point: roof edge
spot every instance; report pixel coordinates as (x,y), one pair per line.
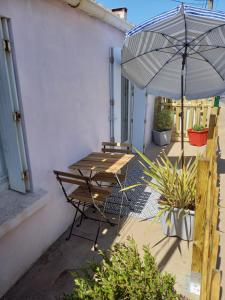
(98,11)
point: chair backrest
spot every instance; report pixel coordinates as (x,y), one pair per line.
(108,147)
(71,178)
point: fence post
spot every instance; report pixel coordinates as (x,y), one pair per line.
(200,211)
(210,148)
(206,244)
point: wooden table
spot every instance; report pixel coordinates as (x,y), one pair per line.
(103,162)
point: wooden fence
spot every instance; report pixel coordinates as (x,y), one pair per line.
(195,112)
(206,235)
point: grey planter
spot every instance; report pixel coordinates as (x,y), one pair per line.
(181,227)
(162,138)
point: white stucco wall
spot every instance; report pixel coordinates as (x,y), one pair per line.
(150,104)
(62,58)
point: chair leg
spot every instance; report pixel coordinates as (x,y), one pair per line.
(74,220)
(82,216)
(97,234)
(94,209)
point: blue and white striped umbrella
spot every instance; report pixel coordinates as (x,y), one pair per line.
(178,53)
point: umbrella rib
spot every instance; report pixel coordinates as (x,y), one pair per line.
(165,52)
(215,46)
(168,61)
(176,59)
(170,41)
(164,35)
(147,52)
(188,57)
(206,50)
(206,33)
(207,61)
(197,58)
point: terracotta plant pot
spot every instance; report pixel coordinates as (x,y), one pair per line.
(198,138)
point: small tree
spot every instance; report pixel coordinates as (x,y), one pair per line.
(164,120)
(122,274)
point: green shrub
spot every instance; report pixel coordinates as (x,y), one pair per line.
(122,275)
(198,127)
(164,120)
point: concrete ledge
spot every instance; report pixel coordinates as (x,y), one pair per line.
(16,208)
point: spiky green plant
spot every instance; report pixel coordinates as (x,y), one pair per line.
(123,274)
(198,127)
(176,186)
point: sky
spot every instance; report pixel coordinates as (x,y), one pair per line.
(141,10)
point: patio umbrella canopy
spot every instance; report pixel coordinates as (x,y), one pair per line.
(178,53)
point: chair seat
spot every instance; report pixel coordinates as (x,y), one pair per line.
(107,177)
(83,194)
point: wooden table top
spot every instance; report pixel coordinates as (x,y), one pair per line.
(103,162)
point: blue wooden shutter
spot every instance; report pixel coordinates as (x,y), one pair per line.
(10,116)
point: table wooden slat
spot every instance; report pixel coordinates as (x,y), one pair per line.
(107,162)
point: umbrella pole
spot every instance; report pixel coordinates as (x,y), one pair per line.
(182,120)
(182,106)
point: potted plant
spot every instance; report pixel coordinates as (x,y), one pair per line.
(198,135)
(177,189)
(123,274)
(163,127)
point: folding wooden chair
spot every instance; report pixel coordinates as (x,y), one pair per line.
(85,194)
(109,178)
(108,147)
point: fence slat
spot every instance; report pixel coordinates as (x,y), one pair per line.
(204,117)
(211,141)
(215,285)
(191,117)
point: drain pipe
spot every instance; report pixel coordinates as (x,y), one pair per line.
(111,94)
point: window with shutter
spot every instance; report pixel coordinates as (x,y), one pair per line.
(10,115)
(124,109)
(116,92)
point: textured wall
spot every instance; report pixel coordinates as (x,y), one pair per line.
(62,60)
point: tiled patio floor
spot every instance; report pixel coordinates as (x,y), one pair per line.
(50,277)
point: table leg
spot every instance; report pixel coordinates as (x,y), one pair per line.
(123,194)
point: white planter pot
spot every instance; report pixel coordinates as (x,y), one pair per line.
(162,138)
(181,227)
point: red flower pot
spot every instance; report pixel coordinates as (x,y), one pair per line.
(198,138)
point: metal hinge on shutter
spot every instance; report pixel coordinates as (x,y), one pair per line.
(7,45)
(16,116)
(25,175)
